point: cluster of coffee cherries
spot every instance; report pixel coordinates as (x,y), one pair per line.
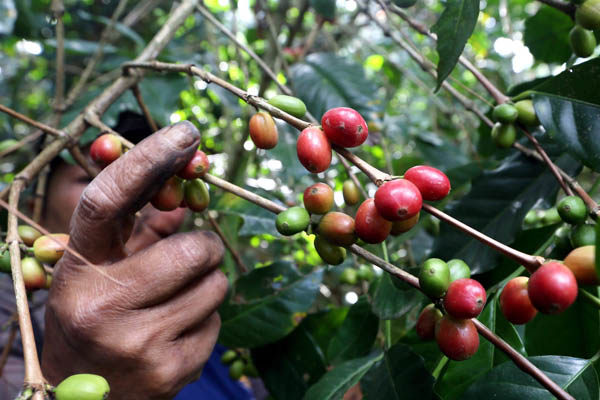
(240,364)
(506,115)
(185,189)
(462,299)
(587,18)
(39,249)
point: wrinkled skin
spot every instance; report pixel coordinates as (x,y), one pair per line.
(150,326)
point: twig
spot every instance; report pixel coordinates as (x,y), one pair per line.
(40,193)
(27,120)
(236,256)
(243,193)
(353,177)
(138,96)
(29,138)
(9,343)
(94,120)
(312,36)
(294,29)
(78,156)
(58,9)
(565,7)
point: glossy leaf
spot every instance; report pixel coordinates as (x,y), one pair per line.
(391,302)
(547,35)
(256,219)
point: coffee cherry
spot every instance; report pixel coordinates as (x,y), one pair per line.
(263,130)
(434,278)
(229,356)
(583,42)
(404,3)
(318,198)
(365,273)
(504,135)
(48,281)
(551,216)
(289,104)
(106,149)
(28,234)
(588,14)
(465,298)
(458,269)
(515,303)
(5,262)
(351,193)
(582,263)
(292,221)
(572,210)
(432,183)
(250,370)
(427,322)
(349,276)
(552,288)
(457,338)
(236,370)
(345,127)
(398,200)
(370,225)
(337,228)
(562,239)
(196,167)
(399,227)
(34,275)
(49,251)
(195,195)
(82,387)
(531,218)
(169,196)
(505,113)
(331,254)
(314,150)
(583,235)
(527,115)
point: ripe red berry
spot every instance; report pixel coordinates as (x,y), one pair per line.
(465,298)
(318,198)
(337,228)
(263,130)
(106,149)
(427,321)
(432,183)
(370,225)
(345,127)
(398,200)
(314,149)
(169,196)
(552,288)
(457,338)
(196,168)
(515,303)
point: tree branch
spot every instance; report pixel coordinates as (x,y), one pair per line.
(140,100)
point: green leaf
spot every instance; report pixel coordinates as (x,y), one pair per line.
(357,334)
(547,35)
(573,125)
(325,8)
(455,26)
(257,220)
(390,301)
(123,29)
(507,381)
(325,80)
(336,382)
(255,315)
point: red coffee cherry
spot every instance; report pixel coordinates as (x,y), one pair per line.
(399,227)
(427,322)
(169,196)
(318,198)
(106,149)
(34,275)
(196,168)
(314,149)
(337,228)
(552,288)
(432,183)
(345,127)
(465,298)
(398,200)
(370,225)
(263,130)
(515,303)
(457,338)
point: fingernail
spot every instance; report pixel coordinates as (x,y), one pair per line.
(183,134)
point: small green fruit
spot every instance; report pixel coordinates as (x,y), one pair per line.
(351,193)
(365,273)
(250,370)
(196,195)
(229,356)
(405,3)
(588,14)
(434,278)
(505,113)
(292,221)
(583,41)
(34,275)
(562,239)
(289,104)
(236,370)
(527,115)
(572,210)
(331,254)
(551,216)
(28,234)
(349,276)
(583,235)
(82,387)
(531,217)
(504,135)
(458,269)
(48,250)
(5,262)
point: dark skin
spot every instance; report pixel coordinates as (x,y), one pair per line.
(150,329)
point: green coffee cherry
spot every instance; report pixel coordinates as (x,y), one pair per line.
(250,370)
(5,262)
(82,387)
(404,3)
(365,273)
(583,41)
(229,356)
(505,113)
(331,254)
(504,135)
(349,276)
(292,221)
(434,278)
(588,14)
(562,239)
(572,210)
(458,269)
(583,235)
(527,115)
(48,250)
(289,104)
(196,195)
(28,234)
(551,216)
(236,370)
(531,217)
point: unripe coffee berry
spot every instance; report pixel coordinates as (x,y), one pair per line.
(48,250)
(196,167)
(505,113)
(527,115)
(106,149)
(236,370)
(314,150)
(337,228)
(552,288)
(398,200)
(34,275)
(458,269)
(457,338)
(583,235)
(292,221)
(588,14)
(330,253)
(434,278)
(504,135)
(229,356)
(370,225)
(515,303)
(82,387)
(427,321)
(195,195)
(351,193)
(345,127)
(572,210)
(465,298)
(349,276)
(582,41)
(28,234)
(263,130)
(289,104)
(5,262)
(318,198)
(432,183)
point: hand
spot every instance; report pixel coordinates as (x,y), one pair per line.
(151,328)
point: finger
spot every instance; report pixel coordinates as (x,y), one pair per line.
(195,347)
(159,272)
(103,218)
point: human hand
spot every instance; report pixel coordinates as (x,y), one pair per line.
(151,328)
